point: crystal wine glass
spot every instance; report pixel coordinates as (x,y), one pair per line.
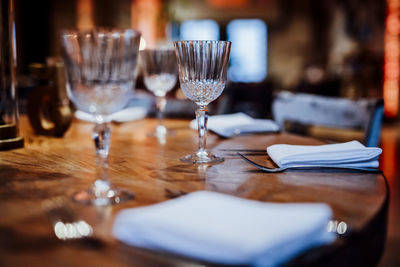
(202,75)
(160,71)
(101,66)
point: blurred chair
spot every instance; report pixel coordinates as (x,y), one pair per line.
(250,98)
(332,118)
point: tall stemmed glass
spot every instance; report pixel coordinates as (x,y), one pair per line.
(160,71)
(101,68)
(202,75)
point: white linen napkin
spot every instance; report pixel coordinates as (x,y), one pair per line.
(228,125)
(125,115)
(349,154)
(219,228)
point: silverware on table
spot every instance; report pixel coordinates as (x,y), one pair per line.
(248,152)
(244,150)
(307,167)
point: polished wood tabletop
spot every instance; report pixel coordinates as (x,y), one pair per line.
(49,167)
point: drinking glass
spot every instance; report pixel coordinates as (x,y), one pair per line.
(9,115)
(160,71)
(101,66)
(202,74)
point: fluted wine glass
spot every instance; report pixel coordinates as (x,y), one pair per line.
(101,66)
(202,75)
(160,70)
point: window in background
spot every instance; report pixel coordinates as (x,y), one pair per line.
(249,50)
(199,30)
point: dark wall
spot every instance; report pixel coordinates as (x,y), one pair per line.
(33,31)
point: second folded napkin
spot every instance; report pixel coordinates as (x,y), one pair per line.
(349,154)
(224,229)
(229,125)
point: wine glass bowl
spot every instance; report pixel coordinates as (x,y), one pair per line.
(101,68)
(202,69)
(160,70)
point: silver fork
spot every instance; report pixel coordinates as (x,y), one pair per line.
(307,167)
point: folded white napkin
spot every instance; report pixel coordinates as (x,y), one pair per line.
(349,154)
(128,114)
(228,125)
(224,229)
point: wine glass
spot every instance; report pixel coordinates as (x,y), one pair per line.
(160,71)
(101,68)
(202,75)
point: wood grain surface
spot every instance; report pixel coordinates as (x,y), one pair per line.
(58,167)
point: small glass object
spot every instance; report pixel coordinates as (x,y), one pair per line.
(101,68)
(160,71)
(9,132)
(202,75)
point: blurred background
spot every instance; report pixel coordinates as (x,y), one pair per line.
(340,48)
(332,48)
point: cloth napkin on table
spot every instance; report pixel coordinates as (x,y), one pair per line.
(225,229)
(349,154)
(228,125)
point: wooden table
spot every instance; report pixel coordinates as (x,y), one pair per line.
(50,167)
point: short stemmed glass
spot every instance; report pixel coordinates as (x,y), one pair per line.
(101,66)
(160,71)
(202,75)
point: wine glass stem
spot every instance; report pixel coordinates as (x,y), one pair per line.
(202,117)
(101,138)
(161,102)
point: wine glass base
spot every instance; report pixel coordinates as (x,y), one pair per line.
(161,134)
(161,131)
(110,197)
(202,157)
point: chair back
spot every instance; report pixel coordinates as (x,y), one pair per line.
(363,115)
(373,132)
